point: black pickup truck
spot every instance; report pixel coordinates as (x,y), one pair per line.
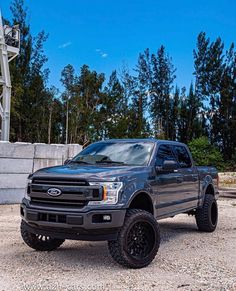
(116,190)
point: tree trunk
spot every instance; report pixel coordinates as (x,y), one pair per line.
(49,125)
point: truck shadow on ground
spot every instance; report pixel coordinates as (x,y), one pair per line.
(170,230)
(80,254)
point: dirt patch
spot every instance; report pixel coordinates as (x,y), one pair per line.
(187,259)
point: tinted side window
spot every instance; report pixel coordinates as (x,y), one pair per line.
(182,156)
(164,153)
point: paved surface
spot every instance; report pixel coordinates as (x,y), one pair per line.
(187,259)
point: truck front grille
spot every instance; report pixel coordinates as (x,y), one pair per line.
(61,203)
(60,182)
(74,192)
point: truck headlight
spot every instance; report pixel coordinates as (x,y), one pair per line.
(27,189)
(110,192)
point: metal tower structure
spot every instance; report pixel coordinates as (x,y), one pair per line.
(9,49)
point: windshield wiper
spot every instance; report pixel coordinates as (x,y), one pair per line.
(110,162)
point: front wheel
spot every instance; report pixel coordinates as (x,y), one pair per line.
(207,216)
(39,242)
(138,240)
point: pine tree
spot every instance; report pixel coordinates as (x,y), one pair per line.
(84,93)
(194,106)
(37,93)
(55,118)
(183,117)
(127,82)
(174,105)
(68,79)
(209,68)
(216,84)
(140,88)
(227,107)
(114,110)
(162,85)
(200,55)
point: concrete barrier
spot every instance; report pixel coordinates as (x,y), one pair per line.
(18,160)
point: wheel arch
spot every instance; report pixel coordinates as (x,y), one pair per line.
(210,189)
(207,188)
(141,200)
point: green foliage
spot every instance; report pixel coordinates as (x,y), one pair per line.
(216,85)
(114,112)
(82,98)
(189,120)
(163,76)
(205,153)
(140,86)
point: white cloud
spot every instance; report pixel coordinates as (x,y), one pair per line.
(64,45)
(101,53)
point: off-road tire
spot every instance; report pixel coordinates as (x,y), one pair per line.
(207,215)
(39,242)
(140,231)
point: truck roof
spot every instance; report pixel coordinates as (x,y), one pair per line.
(154,140)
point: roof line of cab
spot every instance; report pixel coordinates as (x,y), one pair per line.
(142,140)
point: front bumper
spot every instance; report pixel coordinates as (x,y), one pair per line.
(88,225)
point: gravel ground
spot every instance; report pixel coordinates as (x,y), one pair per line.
(187,259)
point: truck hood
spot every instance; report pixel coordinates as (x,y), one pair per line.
(94,172)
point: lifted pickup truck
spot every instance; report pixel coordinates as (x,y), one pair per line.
(116,190)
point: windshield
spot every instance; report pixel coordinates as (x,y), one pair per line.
(120,153)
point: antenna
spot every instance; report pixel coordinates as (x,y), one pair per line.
(9,49)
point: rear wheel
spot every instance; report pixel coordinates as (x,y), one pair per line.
(138,240)
(207,216)
(39,242)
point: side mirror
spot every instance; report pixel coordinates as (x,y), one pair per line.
(167,167)
(67,161)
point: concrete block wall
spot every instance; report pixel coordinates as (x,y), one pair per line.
(18,160)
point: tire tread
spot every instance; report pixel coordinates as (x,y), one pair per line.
(202,215)
(116,247)
(32,242)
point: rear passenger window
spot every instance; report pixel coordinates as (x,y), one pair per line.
(182,156)
(164,153)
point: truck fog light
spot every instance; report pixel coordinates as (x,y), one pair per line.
(106,217)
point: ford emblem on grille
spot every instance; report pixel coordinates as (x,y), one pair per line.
(54,192)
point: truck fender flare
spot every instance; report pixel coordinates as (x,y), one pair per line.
(208,182)
(136,193)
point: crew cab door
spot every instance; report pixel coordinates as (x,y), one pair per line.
(168,184)
(190,183)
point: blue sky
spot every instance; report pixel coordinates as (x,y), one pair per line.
(106,34)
